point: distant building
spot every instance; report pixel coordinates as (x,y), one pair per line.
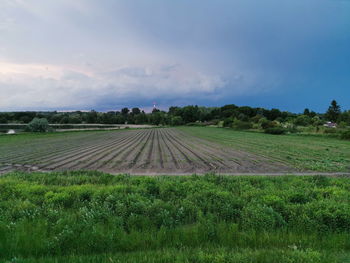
(330,124)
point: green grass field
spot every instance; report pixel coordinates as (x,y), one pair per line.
(304,152)
(96,217)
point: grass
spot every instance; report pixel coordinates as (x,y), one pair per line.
(304,152)
(28,136)
(203,255)
(97,217)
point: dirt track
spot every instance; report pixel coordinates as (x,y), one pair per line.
(148,151)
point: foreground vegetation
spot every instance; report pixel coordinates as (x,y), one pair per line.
(305,152)
(95,217)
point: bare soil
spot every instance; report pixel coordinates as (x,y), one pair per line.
(147,151)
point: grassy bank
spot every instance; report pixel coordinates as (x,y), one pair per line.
(305,152)
(95,217)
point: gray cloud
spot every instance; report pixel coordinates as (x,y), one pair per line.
(90,54)
(72,89)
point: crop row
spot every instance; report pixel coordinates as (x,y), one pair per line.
(147,151)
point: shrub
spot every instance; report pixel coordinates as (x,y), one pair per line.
(276,130)
(330,215)
(228,122)
(241,125)
(330,130)
(302,120)
(342,124)
(259,217)
(299,198)
(199,124)
(292,129)
(3,120)
(176,120)
(345,135)
(38,125)
(267,124)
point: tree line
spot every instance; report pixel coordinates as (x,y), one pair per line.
(230,114)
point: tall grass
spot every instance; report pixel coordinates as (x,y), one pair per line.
(87,216)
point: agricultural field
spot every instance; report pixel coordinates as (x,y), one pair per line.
(97,217)
(183,150)
(144,151)
(320,153)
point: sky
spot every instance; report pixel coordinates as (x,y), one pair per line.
(109,54)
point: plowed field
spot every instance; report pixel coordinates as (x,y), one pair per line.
(148,151)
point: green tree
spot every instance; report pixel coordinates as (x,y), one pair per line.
(157,117)
(125,111)
(176,120)
(302,120)
(135,111)
(333,111)
(38,125)
(92,117)
(141,118)
(176,111)
(3,119)
(345,116)
(190,114)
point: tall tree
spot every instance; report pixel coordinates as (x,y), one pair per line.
(333,111)
(125,111)
(135,111)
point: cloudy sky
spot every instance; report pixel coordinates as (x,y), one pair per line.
(107,54)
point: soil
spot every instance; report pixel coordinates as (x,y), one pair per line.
(147,151)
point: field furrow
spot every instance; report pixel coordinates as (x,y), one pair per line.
(147,151)
(213,155)
(109,158)
(98,158)
(159,151)
(195,156)
(29,152)
(78,154)
(168,154)
(145,155)
(138,151)
(84,160)
(128,154)
(187,161)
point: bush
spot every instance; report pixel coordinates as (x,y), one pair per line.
(38,125)
(176,120)
(228,122)
(330,130)
(292,129)
(241,125)
(276,130)
(265,124)
(3,120)
(302,120)
(260,217)
(196,124)
(345,135)
(342,124)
